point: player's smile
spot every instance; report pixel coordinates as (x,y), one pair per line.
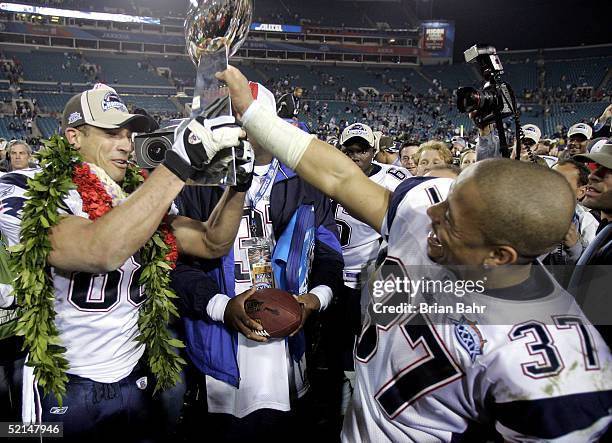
(435,249)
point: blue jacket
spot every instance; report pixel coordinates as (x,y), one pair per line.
(211,346)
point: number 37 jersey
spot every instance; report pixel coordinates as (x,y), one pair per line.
(423,376)
(96,314)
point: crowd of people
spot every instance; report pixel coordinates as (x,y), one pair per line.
(334,223)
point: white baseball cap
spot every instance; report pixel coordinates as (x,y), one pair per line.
(532,132)
(581,128)
(103,108)
(359,130)
(598,145)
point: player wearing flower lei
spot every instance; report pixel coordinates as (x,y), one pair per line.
(90,219)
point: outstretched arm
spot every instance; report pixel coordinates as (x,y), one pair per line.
(315,161)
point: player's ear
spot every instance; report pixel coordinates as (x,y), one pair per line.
(501,256)
(73,136)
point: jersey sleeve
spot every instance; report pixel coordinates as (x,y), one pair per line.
(394,176)
(13,187)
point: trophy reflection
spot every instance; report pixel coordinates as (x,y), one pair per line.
(214,31)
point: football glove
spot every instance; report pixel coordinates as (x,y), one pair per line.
(196,145)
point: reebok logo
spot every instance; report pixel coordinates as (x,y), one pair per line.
(142,383)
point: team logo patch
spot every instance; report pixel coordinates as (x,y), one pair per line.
(142,383)
(112,101)
(357,129)
(469,337)
(75,116)
(193,139)
(58,411)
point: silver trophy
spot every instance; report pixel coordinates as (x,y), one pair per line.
(214,30)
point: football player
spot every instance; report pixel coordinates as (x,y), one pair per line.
(96,264)
(533,367)
(360,244)
(256,389)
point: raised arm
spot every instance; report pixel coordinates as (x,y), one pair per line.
(315,161)
(103,245)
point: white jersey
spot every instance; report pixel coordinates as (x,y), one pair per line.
(533,370)
(96,314)
(360,243)
(269,378)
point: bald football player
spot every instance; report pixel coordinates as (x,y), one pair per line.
(428,376)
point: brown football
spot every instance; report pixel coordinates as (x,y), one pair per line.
(276,310)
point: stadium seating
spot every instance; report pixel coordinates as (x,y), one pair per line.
(585,72)
(48,66)
(7,133)
(567,114)
(522,75)
(124,70)
(47,126)
(452,76)
(48,103)
(153,104)
(51,85)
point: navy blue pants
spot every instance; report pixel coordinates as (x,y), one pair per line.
(11,368)
(92,411)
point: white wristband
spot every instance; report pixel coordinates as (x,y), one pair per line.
(324,294)
(283,140)
(216,307)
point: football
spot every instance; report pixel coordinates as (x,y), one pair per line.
(276,310)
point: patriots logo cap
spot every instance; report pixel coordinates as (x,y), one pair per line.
(532,132)
(359,130)
(103,108)
(581,128)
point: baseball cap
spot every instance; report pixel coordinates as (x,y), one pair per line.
(532,132)
(103,108)
(597,144)
(460,141)
(602,157)
(357,130)
(581,128)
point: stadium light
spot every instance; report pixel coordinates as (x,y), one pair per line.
(101,16)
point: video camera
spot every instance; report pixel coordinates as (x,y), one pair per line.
(150,148)
(496,100)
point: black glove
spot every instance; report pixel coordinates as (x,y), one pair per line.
(245,163)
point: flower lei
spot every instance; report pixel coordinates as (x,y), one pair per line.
(63,170)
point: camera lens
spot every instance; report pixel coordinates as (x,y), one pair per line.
(155,149)
(468,99)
